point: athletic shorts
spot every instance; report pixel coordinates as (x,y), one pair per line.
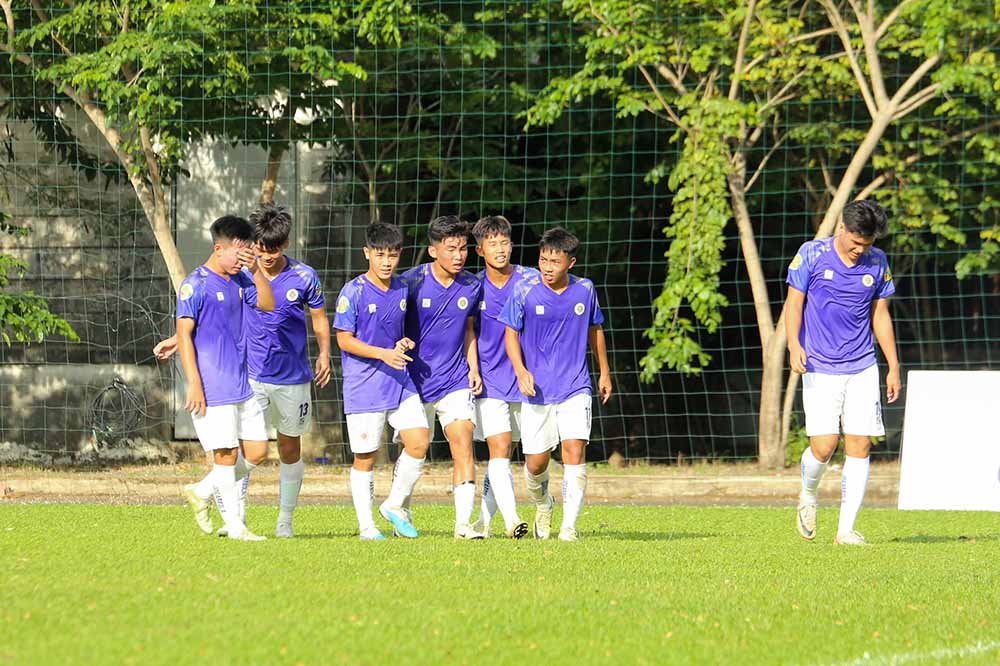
(853,402)
(287,406)
(495,417)
(223,426)
(458,405)
(364,430)
(543,427)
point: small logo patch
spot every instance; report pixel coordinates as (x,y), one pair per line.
(426,303)
(482,305)
(463,303)
(796,262)
(867,280)
(888,275)
(539,309)
(578,309)
(828,274)
(372,308)
(187,291)
(219,295)
(292,295)
(402,304)
(343,305)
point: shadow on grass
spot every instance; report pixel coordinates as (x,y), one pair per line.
(618,535)
(935,538)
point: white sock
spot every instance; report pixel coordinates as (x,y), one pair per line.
(290,483)
(538,486)
(488,504)
(243,484)
(574,489)
(465,502)
(853,483)
(362,490)
(226,492)
(812,471)
(405,475)
(501,483)
(204,488)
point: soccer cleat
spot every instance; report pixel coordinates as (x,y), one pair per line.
(519,531)
(371,534)
(852,538)
(543,519)
(481,528)
(568,534)
(467,532)
(201,508)
(247,535)
(805,519)
(283,530)
(401,526)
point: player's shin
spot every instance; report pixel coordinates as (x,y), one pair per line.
(226,492)
(290,484)
(362,491)
(812,472)
(574,488)
(487,507)
(854,483)
(501,483)
(538,486)
(407,471)
(465,502)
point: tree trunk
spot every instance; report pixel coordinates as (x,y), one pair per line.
(270,184)
(786,411)
(769,439)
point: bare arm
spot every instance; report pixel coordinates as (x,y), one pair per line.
(525,380)
(794,304)
(321,329)
(265,297)
(472,356)
(195,402)
(599,346)
(394,358)
(886,336)
(164,349)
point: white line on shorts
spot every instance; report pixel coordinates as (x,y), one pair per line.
(910,657)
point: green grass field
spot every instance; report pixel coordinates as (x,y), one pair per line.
(102,584)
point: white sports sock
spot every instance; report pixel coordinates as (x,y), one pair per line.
(289,484)
(574,489)
(226,492)
(405,475)
(362,490)
(812,471)
(501,482)
(488,504)
(243,484)
(204,488)
(538,486)
(465,502)
(853,483)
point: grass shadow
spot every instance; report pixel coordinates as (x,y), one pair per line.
(934,538)
(621,535)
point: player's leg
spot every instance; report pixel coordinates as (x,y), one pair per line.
(199,497)
(294,405)
(411,425)
(215,429)
(862,420)
(574,420)
(365,436)
(488,503)
(823,400)
(456,413)
(496,423)
(253,441)
(539,437)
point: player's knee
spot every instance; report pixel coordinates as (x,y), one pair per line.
(364,462)
(289,450)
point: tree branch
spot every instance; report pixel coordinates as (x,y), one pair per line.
(760,167)
(919,99)
(866,21)
(890,19)
(741,48)
(914,78)
(838,23)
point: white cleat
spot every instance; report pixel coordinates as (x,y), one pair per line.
(805,519)
(371,534)
(852,538)
(519,531)
(467,532)
(283,530)
(247,535)
(543,519)
(568,534)
(481,528)
(201,508)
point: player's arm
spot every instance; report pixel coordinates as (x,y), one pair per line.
(886,336)
(394,358)
(600,348)
(195,402)
(321,329)
(164,349)
(794,305)
(265,297)
(525,380)
(472,356)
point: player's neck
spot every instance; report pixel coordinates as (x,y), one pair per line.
(214,266)
(844,257)
(377,281)
(560,285)
(441,275)
(275,270)
(499,276)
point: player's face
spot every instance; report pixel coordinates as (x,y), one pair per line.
(854,245)
(554,265)
(226,254)
(382,261)
(496,251)
(451,253)
(270,258)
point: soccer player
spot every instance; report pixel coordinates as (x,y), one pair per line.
(370,323)
(442,302)
(498,409)
(549,323)
(212,346)
(838,296)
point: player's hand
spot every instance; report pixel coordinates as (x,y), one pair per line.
(164,349)
(405,344)
(604,386)
(893,385)
(526,382)
(247,258)
(395,359)
(797,357)
(323,371)
(195,400)
(475,382)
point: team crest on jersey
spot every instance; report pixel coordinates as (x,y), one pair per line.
(888,275)
(292,295)
(343,305)
(578,309)
(796,262)
(402,304)
(867,280)
(463,303)
(187,291)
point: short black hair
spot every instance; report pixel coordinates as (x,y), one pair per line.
(560,240)
(866,218)
(383,236)
(447,226)
(231,227)
(271,225)
(491,225)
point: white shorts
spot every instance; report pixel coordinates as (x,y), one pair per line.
(495,417)
(223,426)
(458,405)
(365,430)
(544,426)
(287,406)
(852,401)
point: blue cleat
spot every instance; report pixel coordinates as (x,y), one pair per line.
(372,534)
(400,525)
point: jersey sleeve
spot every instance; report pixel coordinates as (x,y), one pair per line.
(346,316)
(249,288)
(596,315)
(314,293)
(801,267)
(190,298)
(886,286)
(513,310)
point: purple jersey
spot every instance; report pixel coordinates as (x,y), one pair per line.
(554,332)
(376,318)
(435,319)
(277,344)
(499,380)
(837,322)
(216,304)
